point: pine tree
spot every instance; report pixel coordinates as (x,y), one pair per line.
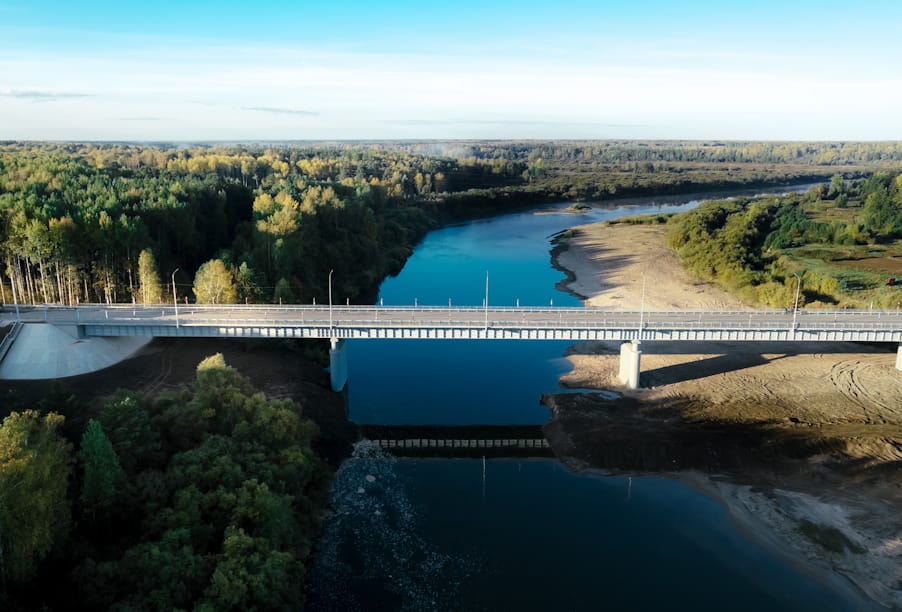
(103,477)
(246,280)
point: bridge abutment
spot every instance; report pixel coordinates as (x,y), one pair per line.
(630,354)
(899,358)
(338,364)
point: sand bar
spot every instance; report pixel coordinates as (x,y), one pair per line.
(834,417)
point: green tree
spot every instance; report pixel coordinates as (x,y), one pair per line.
(283,293)
(103,476)
(837,186)
(251,575)
(214,284)
(248,285)
(148,278)
(219,395)
(127,424)
(881,216)
(159,574)
(35,463)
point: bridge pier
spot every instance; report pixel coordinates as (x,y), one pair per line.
(899,357)
(629,364)
(338,364)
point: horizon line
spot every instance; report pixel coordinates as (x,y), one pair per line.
(714,141)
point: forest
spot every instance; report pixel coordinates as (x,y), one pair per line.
(209,498)
(842,243)
(124,223)
(206,499)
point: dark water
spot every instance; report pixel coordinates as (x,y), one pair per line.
(511,534)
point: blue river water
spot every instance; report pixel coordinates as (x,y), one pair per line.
(516,534)
(471,382)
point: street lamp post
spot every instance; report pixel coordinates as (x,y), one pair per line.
(486,299)
(330,300)
(175,298)
(642,308)
(795,306)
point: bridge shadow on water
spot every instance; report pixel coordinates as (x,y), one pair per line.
(492,441)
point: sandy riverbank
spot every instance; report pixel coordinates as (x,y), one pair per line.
(610,264)
(804,450)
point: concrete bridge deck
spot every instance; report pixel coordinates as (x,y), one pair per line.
(375,322)
(340,323)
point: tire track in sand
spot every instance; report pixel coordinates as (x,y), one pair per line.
(164,372)
(849,376)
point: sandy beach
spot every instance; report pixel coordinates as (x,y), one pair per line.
(803,449)
(610,264)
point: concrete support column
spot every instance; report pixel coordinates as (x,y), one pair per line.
(629,364)
(899,358)
(338,364)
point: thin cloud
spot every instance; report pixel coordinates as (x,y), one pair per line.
(42,96)
(280,111)
(141,118)
(428,122)
(416,122)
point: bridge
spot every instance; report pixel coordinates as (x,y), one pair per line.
(342,323)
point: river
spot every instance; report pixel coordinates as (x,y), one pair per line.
(516,533)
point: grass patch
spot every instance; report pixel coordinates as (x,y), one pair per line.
(828,538)
(827,212)
(655,219)
(845,252)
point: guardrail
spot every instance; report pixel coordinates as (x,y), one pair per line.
(8,340)
(428,308)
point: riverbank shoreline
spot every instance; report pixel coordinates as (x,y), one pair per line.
(802,449)
(762,517)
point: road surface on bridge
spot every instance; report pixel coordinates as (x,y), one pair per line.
(472,322)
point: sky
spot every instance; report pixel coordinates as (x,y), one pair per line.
(267,70)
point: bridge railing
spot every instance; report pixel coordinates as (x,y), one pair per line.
(298,308)
(289,308)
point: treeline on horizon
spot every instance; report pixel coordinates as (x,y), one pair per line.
(113,222)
